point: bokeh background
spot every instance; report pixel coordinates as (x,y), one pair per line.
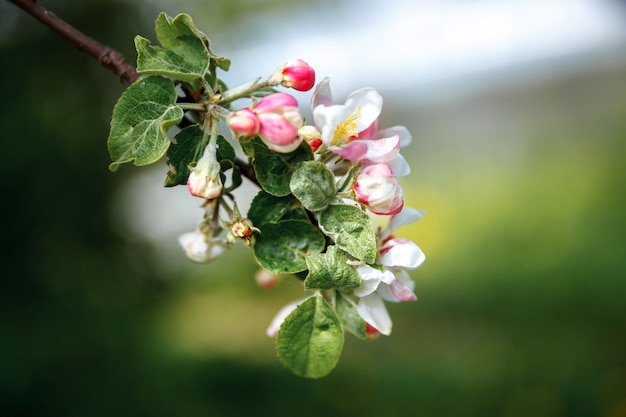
(518,115)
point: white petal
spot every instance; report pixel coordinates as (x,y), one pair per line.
(399,166)
(327,118)
(402,279)
(278,319)
(369,104)
(406,216)
(372,309)
(401,131)
(382,150)
(322,94)
(370,278)
(403,253)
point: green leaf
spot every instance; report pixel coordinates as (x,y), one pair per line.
(313,184)
(351,229)
(284,246)
(273,169)
(349,316)
(184,54)
(266,208)
(140,121)
(310,339)
(331,270)
(186,151)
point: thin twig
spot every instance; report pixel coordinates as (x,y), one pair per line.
(105,55)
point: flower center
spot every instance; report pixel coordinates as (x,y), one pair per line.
(346,130)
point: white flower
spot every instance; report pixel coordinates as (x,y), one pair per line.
(391,282)
(204,179)
(372,309)
(379,190)
(352,130)
(201,247)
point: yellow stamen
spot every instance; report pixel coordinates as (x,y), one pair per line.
(346,129)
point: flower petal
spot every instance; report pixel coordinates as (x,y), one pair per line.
(372,309)
(322,94)
(401,252)
(401,131)
(399,166)
(382,150)
(406,216)
(369,103)
(370,278)
(401,289)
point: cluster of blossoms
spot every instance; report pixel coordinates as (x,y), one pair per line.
(348,139)
(323,185)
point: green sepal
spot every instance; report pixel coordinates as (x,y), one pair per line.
(347,181)
(185,152)
(310,339)
(141,118)
(313,184)
(331,270)
(184,54)
(351,230)
(273,169)
(284,246)
(235,174)
(349,316)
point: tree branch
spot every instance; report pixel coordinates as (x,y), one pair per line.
(105,55)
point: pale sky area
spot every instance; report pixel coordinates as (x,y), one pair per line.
(402,43)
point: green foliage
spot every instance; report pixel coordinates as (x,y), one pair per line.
(283,247)
(184,54)
(331,270)
(351,230)
(141,118)
(349,316)
(266,208)
(274,170)
(314,185)
(184,153)
(310,339)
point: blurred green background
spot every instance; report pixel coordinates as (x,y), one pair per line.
(522,306)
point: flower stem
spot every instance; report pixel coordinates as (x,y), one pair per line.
(246,92)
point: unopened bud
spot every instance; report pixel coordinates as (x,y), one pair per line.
(265,279)
(245,123)
(298,75)
(204,179)
(370,332)
(311,135)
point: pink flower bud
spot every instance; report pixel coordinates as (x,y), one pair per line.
(279,119)
(275,102)
(298,75)
(265,279)
(312,136)
(378,189)
(245,123)
(370,332)
(204,179)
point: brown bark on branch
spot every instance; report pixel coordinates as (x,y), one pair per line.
(105,55)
